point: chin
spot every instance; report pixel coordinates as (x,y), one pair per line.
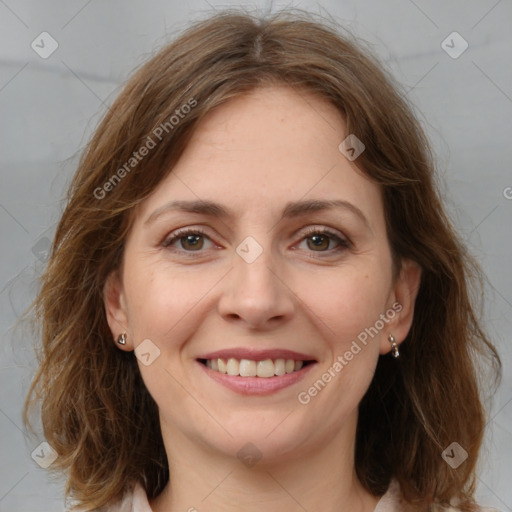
(270,441)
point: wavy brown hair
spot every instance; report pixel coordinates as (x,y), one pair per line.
(95,409)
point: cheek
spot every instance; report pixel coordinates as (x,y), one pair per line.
(346,302)
(163,302)
(345,305)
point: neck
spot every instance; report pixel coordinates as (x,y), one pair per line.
(202,480)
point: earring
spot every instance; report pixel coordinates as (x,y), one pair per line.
(394,347)
(122,339)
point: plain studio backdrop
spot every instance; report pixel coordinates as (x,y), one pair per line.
(63,63)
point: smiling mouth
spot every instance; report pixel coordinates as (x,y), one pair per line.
(266,368)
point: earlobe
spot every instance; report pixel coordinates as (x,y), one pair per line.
(404,294)
(115,310)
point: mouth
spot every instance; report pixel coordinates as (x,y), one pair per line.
(265,369)
(251,372)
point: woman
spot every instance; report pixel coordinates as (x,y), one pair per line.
(255,297)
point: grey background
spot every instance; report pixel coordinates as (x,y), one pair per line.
(49,108)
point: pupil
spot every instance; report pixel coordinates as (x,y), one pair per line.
(193,240)
(319,241)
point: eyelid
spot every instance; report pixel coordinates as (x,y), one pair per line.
(320,228)
(182,232)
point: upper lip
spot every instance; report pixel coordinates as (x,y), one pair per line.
(257,355)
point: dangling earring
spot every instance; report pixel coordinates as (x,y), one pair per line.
(394,347)
(122,339)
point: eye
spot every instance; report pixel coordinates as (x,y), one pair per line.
(192,240)
(189,240)
(324,240)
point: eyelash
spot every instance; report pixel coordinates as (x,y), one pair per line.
(343,244)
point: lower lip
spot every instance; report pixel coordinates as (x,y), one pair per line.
(257,385)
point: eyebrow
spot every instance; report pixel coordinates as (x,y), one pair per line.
(291,210)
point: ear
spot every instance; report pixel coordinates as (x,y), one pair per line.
(403,297)
(115,309)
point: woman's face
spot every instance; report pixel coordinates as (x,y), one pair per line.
(264,243)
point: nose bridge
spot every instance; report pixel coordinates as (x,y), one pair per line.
(254,293)
(252,264)
(256,275)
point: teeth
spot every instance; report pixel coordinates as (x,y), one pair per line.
(280,366)
(266,368)
(233,366)
(249,368)
(222,366)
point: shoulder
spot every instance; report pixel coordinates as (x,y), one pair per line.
(140,501)
(392,501)
(135,500)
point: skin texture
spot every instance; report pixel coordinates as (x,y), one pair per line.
(254,155)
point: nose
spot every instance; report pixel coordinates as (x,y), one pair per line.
(256,295)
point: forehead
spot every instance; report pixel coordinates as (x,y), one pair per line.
(265,148)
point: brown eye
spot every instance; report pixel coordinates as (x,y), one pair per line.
(188,241)
(193,242)
(318,242)
(324,240)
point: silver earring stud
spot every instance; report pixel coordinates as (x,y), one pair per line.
(394,347)
(122,339)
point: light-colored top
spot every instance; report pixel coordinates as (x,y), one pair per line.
(391,501)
